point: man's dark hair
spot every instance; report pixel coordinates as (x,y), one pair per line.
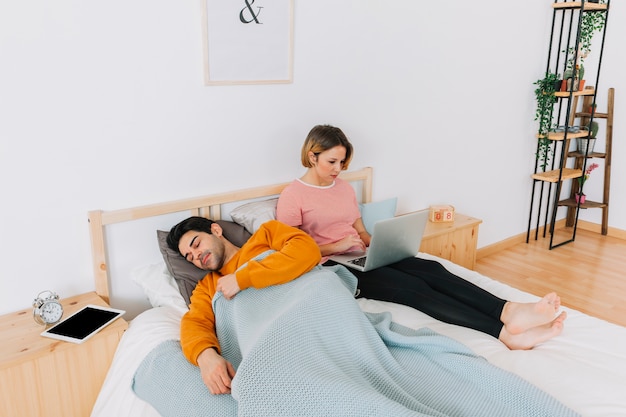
(196,223)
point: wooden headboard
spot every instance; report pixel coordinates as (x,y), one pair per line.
(207,206)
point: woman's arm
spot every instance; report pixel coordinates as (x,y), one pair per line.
(350,242)
(360,229)
(342,245)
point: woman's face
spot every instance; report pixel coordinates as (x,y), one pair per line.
(328,164)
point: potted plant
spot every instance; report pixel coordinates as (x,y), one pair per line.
(544,94)
(585,145)
(580,196)
(592,108)
(574,75)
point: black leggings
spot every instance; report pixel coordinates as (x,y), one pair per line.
(427,286)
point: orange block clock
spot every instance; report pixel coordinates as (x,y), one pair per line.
(443,213)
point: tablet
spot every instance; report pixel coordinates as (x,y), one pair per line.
(83,324)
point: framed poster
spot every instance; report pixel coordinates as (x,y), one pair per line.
(248,41)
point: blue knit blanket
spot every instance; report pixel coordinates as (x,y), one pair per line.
(306,349)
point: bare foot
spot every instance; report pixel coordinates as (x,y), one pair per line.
(532,337)
(519,317)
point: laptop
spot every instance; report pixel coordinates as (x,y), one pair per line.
(392,240)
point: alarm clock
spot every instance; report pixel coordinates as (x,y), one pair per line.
(46,308)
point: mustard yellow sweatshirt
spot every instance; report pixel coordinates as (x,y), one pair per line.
(296,253)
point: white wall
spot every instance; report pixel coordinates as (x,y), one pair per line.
(102,105)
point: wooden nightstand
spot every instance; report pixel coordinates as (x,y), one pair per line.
(455,241)
(47,377)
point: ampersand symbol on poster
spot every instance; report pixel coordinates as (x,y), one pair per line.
(253,16)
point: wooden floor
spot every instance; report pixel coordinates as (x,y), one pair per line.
(589,274)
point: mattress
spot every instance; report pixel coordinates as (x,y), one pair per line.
(584,367)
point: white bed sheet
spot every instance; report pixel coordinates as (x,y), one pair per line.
(584,367)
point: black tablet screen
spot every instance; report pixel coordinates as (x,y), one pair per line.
(83,323)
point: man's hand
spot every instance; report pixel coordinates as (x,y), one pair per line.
(228,286)
(217,373)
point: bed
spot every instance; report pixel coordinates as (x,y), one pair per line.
(584,368)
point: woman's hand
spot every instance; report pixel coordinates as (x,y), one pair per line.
(352,243)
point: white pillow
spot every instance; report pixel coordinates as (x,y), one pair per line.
(159,286)
(253,215)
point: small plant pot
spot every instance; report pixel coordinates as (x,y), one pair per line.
(572,84)
(580,198)
(583,143)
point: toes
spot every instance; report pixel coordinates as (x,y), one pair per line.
(551,297)
(560,318)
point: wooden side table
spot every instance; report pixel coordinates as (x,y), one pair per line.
(455,241)
(47,377)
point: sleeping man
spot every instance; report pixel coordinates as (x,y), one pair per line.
(285,347)
(201,242)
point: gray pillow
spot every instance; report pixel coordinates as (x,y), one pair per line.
(187,274)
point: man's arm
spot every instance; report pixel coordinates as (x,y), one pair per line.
(197,329)
(295,254)
(199,340)
(217,373)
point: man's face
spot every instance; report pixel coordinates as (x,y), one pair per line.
(204,250)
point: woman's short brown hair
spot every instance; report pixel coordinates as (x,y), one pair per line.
(322,138)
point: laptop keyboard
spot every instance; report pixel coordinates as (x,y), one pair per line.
(359,261)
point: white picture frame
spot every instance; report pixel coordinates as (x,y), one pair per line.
(247,41)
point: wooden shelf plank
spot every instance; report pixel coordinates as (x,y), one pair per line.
(578,5)
(597,115)
(584,92)
(570,135)
(571,202)
(576,154)
(553,176)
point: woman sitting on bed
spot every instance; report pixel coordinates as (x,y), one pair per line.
(325,207)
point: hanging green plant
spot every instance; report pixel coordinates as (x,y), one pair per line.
(592,23)
(544,94)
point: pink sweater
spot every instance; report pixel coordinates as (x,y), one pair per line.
(325,213)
